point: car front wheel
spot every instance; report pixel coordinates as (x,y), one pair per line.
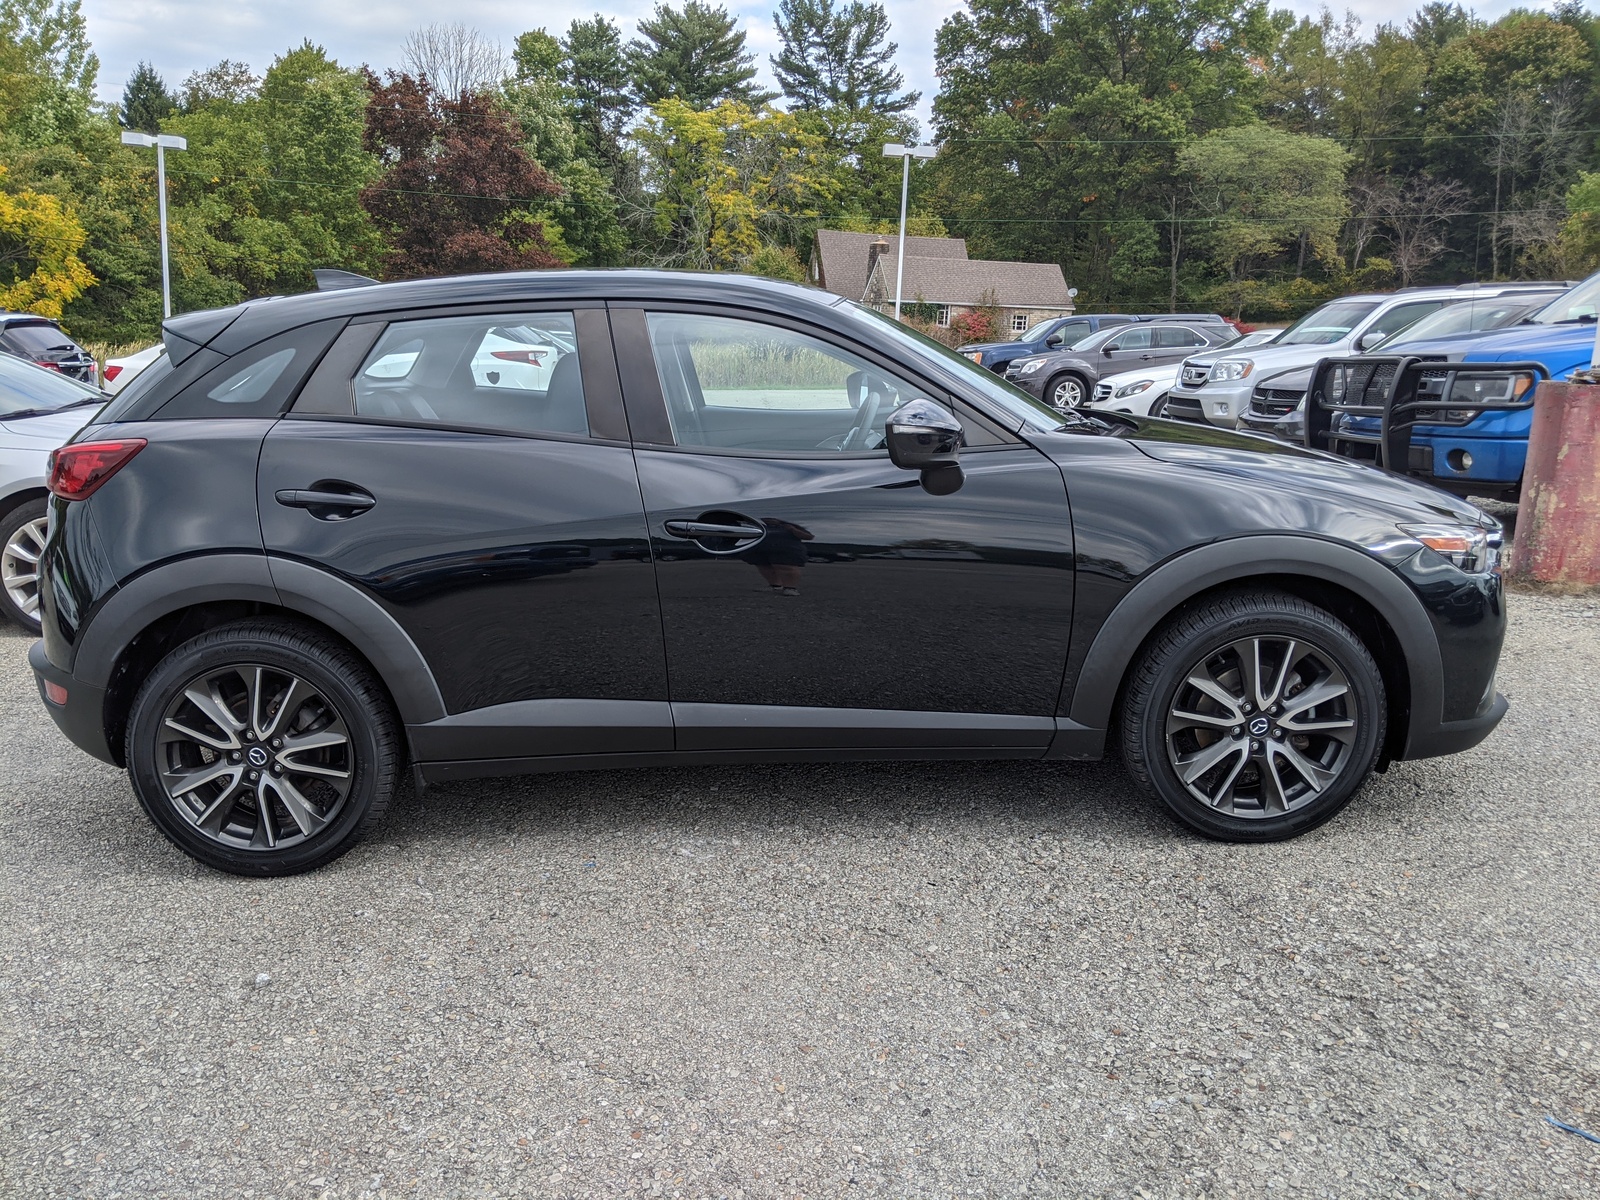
(263,748)
(1067,391)
(1254,716)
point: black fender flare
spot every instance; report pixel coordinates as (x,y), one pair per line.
(283,583)
(1235,560)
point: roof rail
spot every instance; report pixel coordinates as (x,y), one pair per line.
(331,280)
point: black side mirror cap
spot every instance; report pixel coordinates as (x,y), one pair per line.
(922,436)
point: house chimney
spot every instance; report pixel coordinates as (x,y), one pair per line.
(881,246)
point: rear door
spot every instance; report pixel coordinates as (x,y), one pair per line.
(813,595)
(470,473)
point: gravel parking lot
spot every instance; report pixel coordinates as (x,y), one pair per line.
(923,980)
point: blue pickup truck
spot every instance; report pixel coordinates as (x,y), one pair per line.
(1482,454)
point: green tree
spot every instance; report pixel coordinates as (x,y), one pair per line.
(1259,191)
(838,56)
(695,54)
(596,77)
(227,82)
(47,71)
(145,100)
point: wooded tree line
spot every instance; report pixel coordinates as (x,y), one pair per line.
(1164,152)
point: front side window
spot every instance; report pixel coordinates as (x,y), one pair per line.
(1131,339)
(516,374)
(734,384)
(1401,316)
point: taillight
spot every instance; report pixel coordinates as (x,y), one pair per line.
(77,470)
(49,366)
(530,357)
(112,371)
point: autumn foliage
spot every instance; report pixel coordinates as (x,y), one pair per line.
(457,184)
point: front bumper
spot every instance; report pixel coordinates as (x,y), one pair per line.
(1451,737)
(82,715)
(1211,404)
(1291,427)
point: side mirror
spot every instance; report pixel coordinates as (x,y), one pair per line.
(1367,340)
(1106,350)
(1054,340)
(922,436)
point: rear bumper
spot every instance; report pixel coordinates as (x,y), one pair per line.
(82,716)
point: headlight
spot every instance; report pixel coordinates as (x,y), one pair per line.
(1490,389)
(1475,550)
(1032,365)
(1232,368)
(1132,389)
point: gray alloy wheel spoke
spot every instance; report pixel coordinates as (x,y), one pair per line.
(268,780)
(1197,764)
(301,809)
(1261,726)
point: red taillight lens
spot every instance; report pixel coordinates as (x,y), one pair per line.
(531,357)
(48,366)
(77,470)
(55,693)
(112,371)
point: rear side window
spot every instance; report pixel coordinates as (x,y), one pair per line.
(258,382)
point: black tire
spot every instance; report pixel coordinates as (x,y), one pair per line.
(1292,771)
(338,759)
(1063,384)
(21,535)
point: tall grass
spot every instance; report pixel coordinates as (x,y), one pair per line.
(775,363)
(108,350)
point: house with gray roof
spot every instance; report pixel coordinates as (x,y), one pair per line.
(938,275)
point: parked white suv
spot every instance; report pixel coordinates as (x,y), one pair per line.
(1214,387)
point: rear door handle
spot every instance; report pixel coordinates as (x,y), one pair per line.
(706,529)
(333,506)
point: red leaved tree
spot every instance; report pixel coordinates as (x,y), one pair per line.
(457,183)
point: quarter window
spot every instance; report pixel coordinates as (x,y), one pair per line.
(1178,337)
(740,385)
(515,373)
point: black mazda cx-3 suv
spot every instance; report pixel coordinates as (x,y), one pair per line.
(547,521)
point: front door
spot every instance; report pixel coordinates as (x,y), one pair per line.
(813,594)
(452,468)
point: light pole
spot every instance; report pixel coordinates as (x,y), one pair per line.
(162,142)
(906,154)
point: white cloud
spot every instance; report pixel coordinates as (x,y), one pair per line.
(180,36)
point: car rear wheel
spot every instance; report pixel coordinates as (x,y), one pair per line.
(263,748)
(1067,391)
(1254,717)
(22,534)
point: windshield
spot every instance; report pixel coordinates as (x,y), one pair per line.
(27,388)
(1582,303)
(1465,317)
(1095,340)
(1034,414)
(1037,333)
(1327,324)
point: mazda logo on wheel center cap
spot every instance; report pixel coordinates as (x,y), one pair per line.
(258,756)
(1258,728)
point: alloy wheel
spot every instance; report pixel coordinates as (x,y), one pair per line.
(254,757)
(19,565)
(1261,727)
(1067,394)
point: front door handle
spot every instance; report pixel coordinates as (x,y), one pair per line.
(325,504)
(693,530)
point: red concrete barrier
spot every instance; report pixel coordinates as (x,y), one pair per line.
(1558,521)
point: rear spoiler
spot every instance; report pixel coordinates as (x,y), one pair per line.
(1406,391)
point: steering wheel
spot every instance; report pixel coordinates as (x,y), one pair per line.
(856,437)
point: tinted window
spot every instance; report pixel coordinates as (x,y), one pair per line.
(258,382)
(1178,337)
(1131,339)
(742,385)
(1401,316)
(38,338)
(516,373)
(1582,303)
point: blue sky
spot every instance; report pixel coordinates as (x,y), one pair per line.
(180,36)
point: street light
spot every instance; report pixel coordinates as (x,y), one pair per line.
(162,142)
(905,153)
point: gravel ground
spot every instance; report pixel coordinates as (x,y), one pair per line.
(925,980)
